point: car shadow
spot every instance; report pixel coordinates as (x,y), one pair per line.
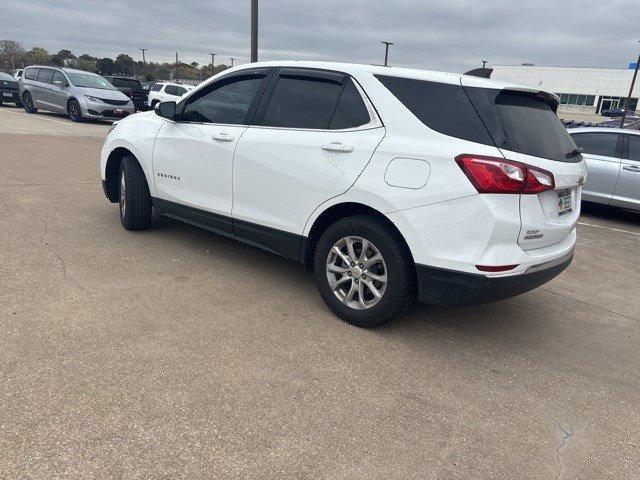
(608,212)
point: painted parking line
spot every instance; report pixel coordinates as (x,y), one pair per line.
(609,228)
(38,117)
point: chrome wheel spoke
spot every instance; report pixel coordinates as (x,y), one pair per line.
(357,281)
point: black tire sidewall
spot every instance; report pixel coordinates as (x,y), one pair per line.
(28,105)
(400,270)
(138,200)
(74,118)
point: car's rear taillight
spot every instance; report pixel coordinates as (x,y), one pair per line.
(497,175)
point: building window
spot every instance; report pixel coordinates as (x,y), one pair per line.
(576,99)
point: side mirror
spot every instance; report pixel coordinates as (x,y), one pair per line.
(166,110)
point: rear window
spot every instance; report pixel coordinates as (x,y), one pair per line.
(516,121)
(523,122)
(442,107)
(135,85)
(31,73)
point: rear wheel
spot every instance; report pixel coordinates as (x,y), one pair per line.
(73,110)
(27,103)
(364,271)
(135,200)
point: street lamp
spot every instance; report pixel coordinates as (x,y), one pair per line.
(386,52)
(254,31)
(231,58)
(627,100)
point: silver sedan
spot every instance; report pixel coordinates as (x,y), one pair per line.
(613,165)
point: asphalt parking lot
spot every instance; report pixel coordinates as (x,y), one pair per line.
(177,353)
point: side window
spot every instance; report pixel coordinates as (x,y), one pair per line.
(228,103)
(351,111)
(597,143)
(299,102)
(180,91)
(119,82)
(174,90)
(60,79)
(31,73)
(45,75)
(170,90)
(156,87)
(634,147)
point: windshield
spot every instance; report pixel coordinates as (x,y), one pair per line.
(6,76)
(89,80)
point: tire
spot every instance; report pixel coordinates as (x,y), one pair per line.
(74,112)
(396,267)
(27,103)
(154,103)
(135,200)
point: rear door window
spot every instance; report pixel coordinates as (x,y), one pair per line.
(120,82)
(442,107)
(351,111)
(31,73)
(156,87)
(45,75)
(598,143)
(302,102)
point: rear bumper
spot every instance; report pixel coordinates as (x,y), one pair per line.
(439,286)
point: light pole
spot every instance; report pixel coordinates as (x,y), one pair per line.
(628,99)
(254,31)
(484,62)
(143,59)
(386,52)
(213,56)
(176,67)
(232,59)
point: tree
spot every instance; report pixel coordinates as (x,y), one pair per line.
(11,51)
(37,56)
(124,64)
(105,66)
(65,54)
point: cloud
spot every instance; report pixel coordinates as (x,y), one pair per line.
(454,35)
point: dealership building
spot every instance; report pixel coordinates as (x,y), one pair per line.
(581,90)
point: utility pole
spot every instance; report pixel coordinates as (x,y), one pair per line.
(627,100)
(144,63)
(484,62)
(386,52)
(176,75)
(254,31)
(231,58)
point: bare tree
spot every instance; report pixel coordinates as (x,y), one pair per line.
(11,49)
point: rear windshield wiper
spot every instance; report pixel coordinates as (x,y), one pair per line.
(573,153)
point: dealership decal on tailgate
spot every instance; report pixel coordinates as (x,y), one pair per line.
(564,202)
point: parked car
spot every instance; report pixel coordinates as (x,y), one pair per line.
(133,89)
(387,182)
(75,93)
(613,163)
(161,92)
(9,90)
(616,112)
(17,73)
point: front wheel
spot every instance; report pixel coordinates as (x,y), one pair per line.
(74,111)
(135,200)
(27,103)
(364,271)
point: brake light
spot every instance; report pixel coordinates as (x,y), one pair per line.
(497,175)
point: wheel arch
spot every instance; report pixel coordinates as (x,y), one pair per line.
(112,172)
(337,212)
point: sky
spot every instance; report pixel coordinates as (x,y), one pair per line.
(451,35)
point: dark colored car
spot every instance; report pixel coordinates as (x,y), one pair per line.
(616,112)
(9,89)
(133,89)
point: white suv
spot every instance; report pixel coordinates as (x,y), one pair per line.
(162,92)
(391,184)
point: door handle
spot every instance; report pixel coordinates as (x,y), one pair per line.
(337,147)
(632,168)
(222,137)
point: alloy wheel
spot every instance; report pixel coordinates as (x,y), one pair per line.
(356,272)
(123,196)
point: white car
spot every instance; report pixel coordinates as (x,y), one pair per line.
(613,161)
(391,184)
(162,92)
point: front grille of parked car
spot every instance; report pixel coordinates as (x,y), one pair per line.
(115,102)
